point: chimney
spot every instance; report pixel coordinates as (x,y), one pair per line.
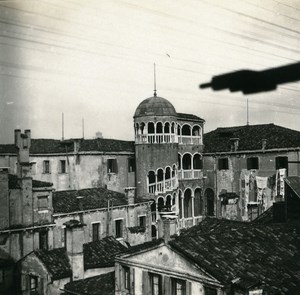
(4,209)
(168,224)
(234,144)
(74,247)
(22,143)
(80,206)
(263,144)
(130,195)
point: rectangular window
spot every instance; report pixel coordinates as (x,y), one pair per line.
(131,165)
(43,240)
(33,168)
(252,163)
(126,271)
(33,280)
(119,228)
(210,291)
(96,231)
(46,166)
(112,166)
(223,164)
(281,163)
(64,237)
(178,287)
(142,221)
(156,284)
(63,166)
(42,203)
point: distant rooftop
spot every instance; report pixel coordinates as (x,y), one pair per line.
(14,184)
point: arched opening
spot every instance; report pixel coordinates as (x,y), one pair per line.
(137,128)
(179,162)
(153,211)
(178,130)
(210,202)
(173,128)
(142,128)
(153,231)
(160,204)
(197,162)
(173,171)
(159,127)
(151,181)
(151,129)
(168,178)
(169,202)
(167,127)
(187,162)
(187,203)
(198,202)
(174,199)
(196,130)
(160,178)
(180,204)
(186,130)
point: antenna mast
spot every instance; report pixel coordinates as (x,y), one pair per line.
(82,127)
(247,111)
(155,80)
(62,126)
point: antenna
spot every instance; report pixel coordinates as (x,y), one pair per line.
(155,80)
(247,111)
(62,126)
(82,127)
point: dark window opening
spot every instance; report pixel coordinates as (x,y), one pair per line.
(151,128)
(210,291)
(178,287)
(63,166)
(33,283)
(153,231)
(252,163)
(142,221)
(119,228)
(197,162)
(223,164)
(112,166)
(160,204)
(43,240)
(159,127)
(96,231)
(186,130)
(126,277)
(187,162)
(131,165)
(46,166)
(281,163)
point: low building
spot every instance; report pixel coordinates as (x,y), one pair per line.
(7,276)
(217,256)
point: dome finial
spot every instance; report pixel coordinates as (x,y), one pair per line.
(155,81)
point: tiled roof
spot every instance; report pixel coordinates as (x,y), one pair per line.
(55,146)
(143,247)
(13,182)
(56,261)
(101,253)
(102,284)
(189,117)
(250,138)
(5,259)
(266,217)
(294,183)
(93,198)
(253,252)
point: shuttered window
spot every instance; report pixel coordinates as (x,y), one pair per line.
(112,166)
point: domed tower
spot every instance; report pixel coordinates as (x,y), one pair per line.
(156,147)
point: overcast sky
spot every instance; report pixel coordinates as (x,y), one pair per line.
(94,59)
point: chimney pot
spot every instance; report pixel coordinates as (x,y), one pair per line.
(234,144)
(130,194)
(264,144)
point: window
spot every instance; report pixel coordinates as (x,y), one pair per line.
(43,239)
(112,166)
(281,162)
(46,166)
(210,291)
(252,163)
(156,284)
(96,231)
(131,165)
(33,168)
(64,237)
(126,277)
(42,203)
(142,221)
(178,287)
(63,166)
(223,163)
(33,280)
(119,228)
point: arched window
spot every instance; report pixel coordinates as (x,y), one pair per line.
(198,202)
(159,127)
(178,130)
(180,204)
(160,204)
(179,162)
(173,128)
(153,231)
(169,202)
(151,129)
(142,128)
(187,162)
(151,177)
(196,130)
(210,202)
(187,201)
(168,173)
(167,127)
(153,207)
(160,175)
(137,128)
(173,171)
(197,162)
(174,199)
(186,130)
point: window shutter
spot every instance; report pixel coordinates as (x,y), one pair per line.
(41,286)
(146,283)
(167,285)
(188,288)
(115,166)
(132,280)
(118,277)
(24,282)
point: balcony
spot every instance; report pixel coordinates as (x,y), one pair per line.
(163,186)
(188,139)
(190,174)
(156,138)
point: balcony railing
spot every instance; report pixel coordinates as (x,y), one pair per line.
(189,139)
(190,174)
(156,138)
(162,186)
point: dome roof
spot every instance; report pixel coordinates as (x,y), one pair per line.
(155,106)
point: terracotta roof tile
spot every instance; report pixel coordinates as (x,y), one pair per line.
(102,284)
(144,246)
(101,253)
(252,252)
(56,261)
(250,138)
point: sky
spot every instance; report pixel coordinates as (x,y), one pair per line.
(93,60)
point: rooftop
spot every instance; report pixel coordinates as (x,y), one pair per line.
(92,286)
(92,198)
(189,117)
(250,138)
(228,250)
(13,183)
